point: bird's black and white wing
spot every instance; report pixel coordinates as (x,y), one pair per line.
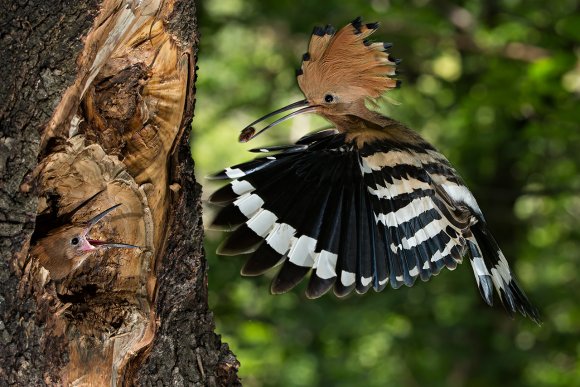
(358,217)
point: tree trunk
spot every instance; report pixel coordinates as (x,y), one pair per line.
(96,102)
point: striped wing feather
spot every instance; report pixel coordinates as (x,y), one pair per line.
(420,237)
(357,218)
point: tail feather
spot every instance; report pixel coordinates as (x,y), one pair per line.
(491,268)
(482,275)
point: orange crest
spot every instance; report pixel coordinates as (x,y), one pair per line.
(347,64)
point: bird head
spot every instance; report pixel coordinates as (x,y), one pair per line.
(66,248)
(339,73)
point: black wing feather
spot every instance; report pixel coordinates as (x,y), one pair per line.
(242,241)
(365,245)
(328,239)
(262,260)
(288,277)
(347,252)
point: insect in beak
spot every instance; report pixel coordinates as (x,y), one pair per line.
(249,132)
(91,244)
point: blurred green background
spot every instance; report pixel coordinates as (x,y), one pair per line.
(495,86)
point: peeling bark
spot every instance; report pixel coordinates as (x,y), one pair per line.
(96,108)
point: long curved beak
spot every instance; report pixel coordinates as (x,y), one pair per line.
(249,132)
(97,243)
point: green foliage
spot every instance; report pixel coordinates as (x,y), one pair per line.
(495,86)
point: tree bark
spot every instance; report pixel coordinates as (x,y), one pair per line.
(95,108)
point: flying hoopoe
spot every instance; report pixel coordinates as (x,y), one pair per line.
(361,205)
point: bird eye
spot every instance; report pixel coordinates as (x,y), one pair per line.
(74,241)
(328,98)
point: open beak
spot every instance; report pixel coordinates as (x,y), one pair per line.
(94,243)
(249,132)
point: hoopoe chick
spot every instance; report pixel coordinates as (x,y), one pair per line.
(362,205)
(65,248)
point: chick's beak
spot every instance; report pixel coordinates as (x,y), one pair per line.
(249,132)
(88,244)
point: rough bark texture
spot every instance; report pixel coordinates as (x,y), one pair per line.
(96,101)
(38,41)
(186,353)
